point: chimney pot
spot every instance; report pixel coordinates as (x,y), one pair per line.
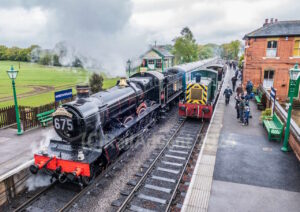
(266,22)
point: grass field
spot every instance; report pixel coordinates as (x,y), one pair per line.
(36,84)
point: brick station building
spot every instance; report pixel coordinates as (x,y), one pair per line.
(270,52)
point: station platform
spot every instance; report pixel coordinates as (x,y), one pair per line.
(238,169)
(17,151)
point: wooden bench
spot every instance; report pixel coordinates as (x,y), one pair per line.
(258,98)
(274,127)
(45,117)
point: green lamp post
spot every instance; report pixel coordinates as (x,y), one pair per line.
(12,74)
(128,66)
(294,77)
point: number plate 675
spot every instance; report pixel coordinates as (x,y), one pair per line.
(63,124)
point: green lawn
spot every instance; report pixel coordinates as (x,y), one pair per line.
(34,78)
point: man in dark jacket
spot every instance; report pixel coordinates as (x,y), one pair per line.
(233,80)
(227,93)
(249,87)
(241,108)
(237,102)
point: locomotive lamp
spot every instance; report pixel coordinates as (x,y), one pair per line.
(294,79)
(12,74)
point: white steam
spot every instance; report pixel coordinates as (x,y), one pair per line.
(100,31)
(44,142)
(37,181)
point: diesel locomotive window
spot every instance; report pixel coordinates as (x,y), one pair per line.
(196,93)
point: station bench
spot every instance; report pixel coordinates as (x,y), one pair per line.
(274,127)
(258,98)
(45,117)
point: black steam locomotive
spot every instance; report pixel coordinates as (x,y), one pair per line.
(94,129)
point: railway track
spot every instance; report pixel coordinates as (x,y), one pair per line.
(158,185)
(57,197)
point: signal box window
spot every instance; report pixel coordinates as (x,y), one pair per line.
(268,78)
(150,61)
(297,49)
(158,63)
(272,48)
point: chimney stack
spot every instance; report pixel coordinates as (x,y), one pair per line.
(266,22)
(271,21)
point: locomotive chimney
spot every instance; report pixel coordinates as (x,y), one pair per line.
(123,82)
(83,91)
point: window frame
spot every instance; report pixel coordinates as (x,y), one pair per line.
(296,48)
(271,49)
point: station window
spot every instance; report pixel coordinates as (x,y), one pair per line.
(271,48)
(297,48)
(268,78)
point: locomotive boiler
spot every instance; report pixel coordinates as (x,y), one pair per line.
(94,129)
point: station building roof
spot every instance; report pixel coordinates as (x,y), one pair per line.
(276,28)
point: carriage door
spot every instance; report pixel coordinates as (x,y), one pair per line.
(268,78)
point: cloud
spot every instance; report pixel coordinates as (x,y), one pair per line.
(116,30)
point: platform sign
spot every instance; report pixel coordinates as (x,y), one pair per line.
(64,94)
(273,96)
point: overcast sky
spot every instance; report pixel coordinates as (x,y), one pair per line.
(120,29)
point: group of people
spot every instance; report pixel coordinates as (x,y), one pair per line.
(242,105)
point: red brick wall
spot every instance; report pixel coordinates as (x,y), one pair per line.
(256,62)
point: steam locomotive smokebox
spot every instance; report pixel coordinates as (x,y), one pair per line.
(83,91)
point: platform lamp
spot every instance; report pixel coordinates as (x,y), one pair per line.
(128,66)
(294,78)
(12,74)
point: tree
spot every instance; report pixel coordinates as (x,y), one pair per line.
(185,47)
(96,82)
(230,50)
(45,59)
(205,51)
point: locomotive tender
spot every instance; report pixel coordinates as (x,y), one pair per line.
(94,129)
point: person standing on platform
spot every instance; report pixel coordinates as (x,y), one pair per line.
(239,90)
(246,115)
(233,80)
(249,87)
(241,109)
(237,102)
